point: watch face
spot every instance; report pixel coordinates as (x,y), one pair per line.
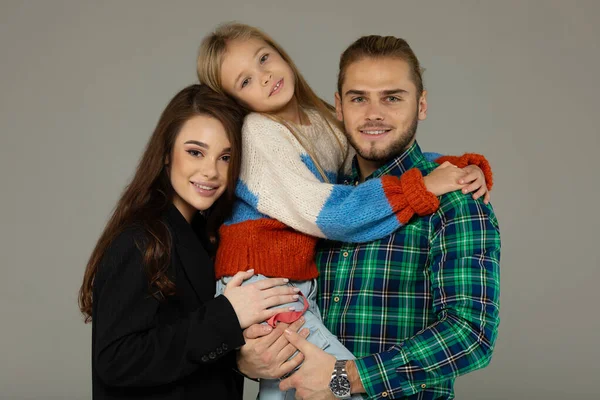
(340,386)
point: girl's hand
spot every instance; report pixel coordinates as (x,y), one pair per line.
(474,180)
(444,179)
(252,303)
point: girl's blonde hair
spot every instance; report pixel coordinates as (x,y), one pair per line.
(210,59)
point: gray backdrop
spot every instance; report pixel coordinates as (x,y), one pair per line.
(82,84)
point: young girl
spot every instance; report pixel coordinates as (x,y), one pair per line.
(286,197)
(158,331)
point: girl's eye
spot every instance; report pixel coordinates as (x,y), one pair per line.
(264,58)
(245,82)
(226,158)
(195,153)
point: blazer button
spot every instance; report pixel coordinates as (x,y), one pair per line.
(225,347)
(219,350)
(204,359)
(212,355)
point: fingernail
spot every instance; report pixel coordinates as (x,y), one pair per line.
(301,319)
(288,332)
(296,289)
(286,280)
(251,270)
(295,297)
(268,328)
(292,309)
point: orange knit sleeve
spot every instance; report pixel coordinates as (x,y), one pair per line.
(410,197)
(471,159)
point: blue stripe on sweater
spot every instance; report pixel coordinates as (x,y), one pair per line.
(357,213)
(332,176)
(432,156)
(245,207)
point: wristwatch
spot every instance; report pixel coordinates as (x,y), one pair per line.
(339,383)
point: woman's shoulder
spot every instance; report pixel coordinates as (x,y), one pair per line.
(125,247)
(133,235)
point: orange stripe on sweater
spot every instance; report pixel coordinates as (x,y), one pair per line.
(270,247)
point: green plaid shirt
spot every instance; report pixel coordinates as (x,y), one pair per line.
(420,307)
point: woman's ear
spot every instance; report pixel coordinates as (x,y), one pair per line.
(167,160)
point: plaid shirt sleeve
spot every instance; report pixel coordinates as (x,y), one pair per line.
(464,276)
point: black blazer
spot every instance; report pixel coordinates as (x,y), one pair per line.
(180,348)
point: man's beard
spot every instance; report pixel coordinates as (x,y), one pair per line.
(393,151)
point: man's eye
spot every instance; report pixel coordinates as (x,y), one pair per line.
(393,99)
(245,82)
(358,99)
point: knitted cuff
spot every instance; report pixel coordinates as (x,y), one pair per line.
(471,159)
(409,196)
(422,201)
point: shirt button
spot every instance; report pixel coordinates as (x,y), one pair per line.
(336,299)
(384,394)
(423,386)
(204,359)
(224,346)
(345,254)
(212,355)
(219,350)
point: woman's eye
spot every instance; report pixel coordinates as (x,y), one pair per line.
(245,82)
(264,58)
(194,153)
(226,158)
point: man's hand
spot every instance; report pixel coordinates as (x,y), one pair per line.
(311,381)
(266,352)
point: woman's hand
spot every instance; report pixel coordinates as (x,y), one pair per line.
(252,302)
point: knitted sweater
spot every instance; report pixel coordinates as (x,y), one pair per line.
(283,205)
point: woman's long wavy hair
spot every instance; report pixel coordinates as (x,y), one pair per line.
(210,59)
(150,193)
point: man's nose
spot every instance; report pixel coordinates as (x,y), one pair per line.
(374,112)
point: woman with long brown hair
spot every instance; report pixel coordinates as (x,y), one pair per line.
(158,331)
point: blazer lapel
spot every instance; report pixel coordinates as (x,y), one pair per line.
(191,255)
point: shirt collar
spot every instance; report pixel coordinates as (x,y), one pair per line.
(410,158)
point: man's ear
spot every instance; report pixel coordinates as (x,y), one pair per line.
(339,114)
(423,106)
